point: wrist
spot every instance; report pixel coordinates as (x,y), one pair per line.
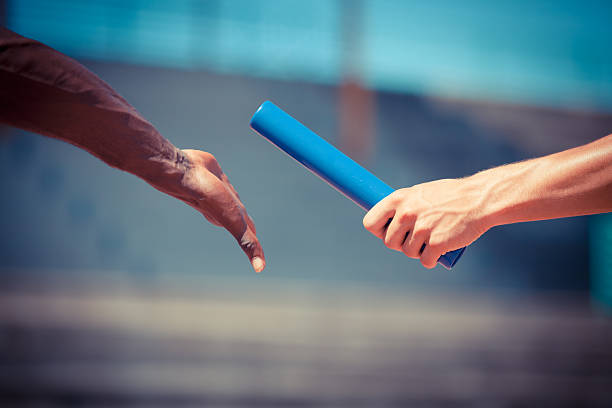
(509,195)
(164,171)
(492,197)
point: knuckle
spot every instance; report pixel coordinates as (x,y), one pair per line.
(250,248)
(434,244)
(418,233)
(401,193)
(248,242)
(395,196)
(207,157)
(404,217)
(391,243)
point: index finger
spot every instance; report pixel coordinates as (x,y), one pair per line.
(252,248)
(377,219)
(235,219)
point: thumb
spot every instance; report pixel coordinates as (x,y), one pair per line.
(252,248)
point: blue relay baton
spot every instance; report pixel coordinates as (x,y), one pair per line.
(327,162)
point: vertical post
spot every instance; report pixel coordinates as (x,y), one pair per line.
(356,102)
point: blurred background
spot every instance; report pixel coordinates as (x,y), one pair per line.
(112,294)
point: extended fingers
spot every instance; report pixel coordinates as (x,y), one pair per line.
(239,225)
(224,207)
(232,190)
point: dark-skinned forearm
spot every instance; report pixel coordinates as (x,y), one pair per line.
(45,92)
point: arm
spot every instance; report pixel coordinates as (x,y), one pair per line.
(43,91)
(452,213)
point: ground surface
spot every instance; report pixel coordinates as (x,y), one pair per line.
(115,343)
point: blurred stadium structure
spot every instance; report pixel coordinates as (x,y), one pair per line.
(99,307)
(550,53)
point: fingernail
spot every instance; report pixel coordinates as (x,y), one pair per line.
(258,264)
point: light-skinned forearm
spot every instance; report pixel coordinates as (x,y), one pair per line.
(573,182)
(449,214)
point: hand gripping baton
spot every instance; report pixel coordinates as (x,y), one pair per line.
(327,162)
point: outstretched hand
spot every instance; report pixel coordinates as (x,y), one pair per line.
(206,188)
(443,215)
